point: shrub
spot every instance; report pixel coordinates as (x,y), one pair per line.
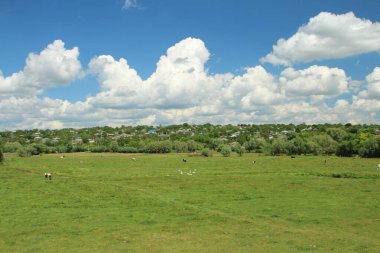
(324,144)
(369,148)
(346,148)
(277,147)
(11,147)
(23,152)
(79,148)
(240,150)
(98,149)
(225,150)
(158,147)
(191,146)
(127,150)
(255,144)
(207,152)
(180,147)
(1,156)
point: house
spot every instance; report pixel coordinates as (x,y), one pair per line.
(152,131)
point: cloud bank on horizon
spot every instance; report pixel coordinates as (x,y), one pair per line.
(182,90)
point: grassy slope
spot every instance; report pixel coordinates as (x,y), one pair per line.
(110,203)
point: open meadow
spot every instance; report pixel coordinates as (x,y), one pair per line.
(113,203)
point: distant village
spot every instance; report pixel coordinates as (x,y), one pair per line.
(274,139)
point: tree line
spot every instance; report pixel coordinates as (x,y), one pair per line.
(271,139)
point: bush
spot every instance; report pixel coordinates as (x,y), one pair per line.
(11,147)
(255,144)
(79,148)
(180,147)
(324,144)
(296,146)
(1,156)
(240,150)
(207,152)
(225,150)
(346,148)
(114,147)
(158,147)
(191,146)
(369,148)
(277,147)
(98,149)
(24,152)
(127,150)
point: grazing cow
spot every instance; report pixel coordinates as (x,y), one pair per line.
(293,156)
(184,160)
(378,166)
(133,159)
(253,162)
(48,175)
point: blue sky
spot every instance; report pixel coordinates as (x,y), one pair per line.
(222,40)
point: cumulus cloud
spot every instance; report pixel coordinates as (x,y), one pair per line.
(327,36)
(114,74)
(256,87)
(373,81)
(181,90)
(54,66)
(179,81)
(314,81)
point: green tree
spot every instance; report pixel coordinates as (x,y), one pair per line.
(296,146)
(369,148)
(240,150)
(278,145)
(255,143)
(323,144)
(345,148)
(338,134)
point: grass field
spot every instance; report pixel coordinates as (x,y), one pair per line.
(111,203)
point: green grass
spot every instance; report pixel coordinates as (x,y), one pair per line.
(110,203)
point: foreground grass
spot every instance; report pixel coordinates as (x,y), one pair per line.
(111,203)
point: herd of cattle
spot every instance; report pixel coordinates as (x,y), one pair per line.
(48,175)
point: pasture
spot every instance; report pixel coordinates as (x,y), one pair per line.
(113,203)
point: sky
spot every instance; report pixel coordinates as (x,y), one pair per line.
(88,63)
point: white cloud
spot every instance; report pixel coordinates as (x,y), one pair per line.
(181,90)
(54,66)
(314,81)
(256,87)
(179,81)
(114,74)
(130,4)
(327,36)
(373,81)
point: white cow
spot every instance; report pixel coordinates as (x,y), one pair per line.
(48,175)
(378,166)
